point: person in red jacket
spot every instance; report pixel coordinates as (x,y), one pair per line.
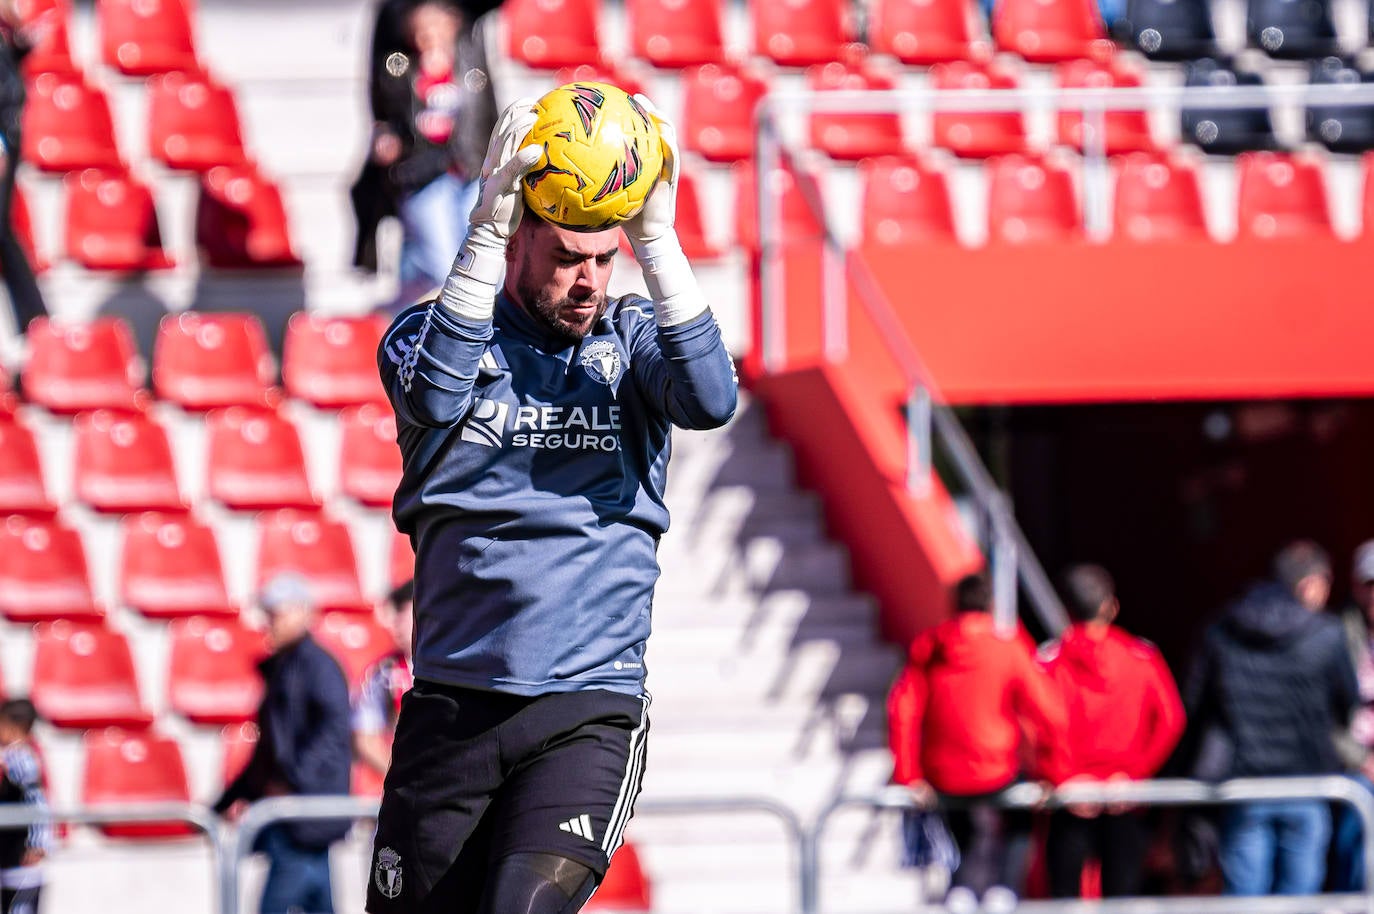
(1124,719)
(962,716)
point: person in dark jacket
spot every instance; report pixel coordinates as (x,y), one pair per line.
(304,749)
(16,38)
(1274,680)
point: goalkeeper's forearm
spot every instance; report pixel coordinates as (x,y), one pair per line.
(470,289)
(672,284)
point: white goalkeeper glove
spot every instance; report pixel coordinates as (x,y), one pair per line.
(470,290)
(672,285)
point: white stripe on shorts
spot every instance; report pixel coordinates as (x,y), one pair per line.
(629,786)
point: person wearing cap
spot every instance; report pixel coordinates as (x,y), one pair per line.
(304,748)
(1356,743)
(1273,681)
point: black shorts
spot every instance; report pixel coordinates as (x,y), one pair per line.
(477,775)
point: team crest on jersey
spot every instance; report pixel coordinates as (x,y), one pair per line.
(387,873)
(602,361)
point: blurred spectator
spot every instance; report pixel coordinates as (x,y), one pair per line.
(1356,744)
(438,111)
(379,699)
(373,194)
(21,781)
(16,38)
(1273,678)
(957,716)
(1124,719)
(303,749)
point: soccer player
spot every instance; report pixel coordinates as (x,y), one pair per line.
(534,422)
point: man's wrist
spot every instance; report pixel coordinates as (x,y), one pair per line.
(668,275)
(470,289)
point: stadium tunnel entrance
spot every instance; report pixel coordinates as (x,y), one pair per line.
(1185,503)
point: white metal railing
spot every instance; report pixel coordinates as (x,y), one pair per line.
(929,422)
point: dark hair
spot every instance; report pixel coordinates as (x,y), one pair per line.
(973,593)
(20,712)
(1086,588)
(1298,560)
(403,594)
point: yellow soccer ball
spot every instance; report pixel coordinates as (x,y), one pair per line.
(602,155)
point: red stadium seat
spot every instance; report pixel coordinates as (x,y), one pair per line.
(1158,198)
(212,672)
(690,225)
(170,567)
(316,547)
(256,461)
(1126,131)
(1049,31)
(365,781)
(357,641)
(144,767)
(83,676)
(193,122)
(111,222)
(718,102)
(43,572)
(241,220)
(67,125)
(1031,199)
(977,135)
(205,361)
(605,72)
(331,362)
(401,563)
(80,366)
(851,137)
(925,32)
(239,741)
(905,198)
(22,486)
(51,52)
(799,33)
(675,33)
(798,219)
(1367,210)
(1281,195)
(143,37)
(123,463)
(22,224)
(626,887)
(369,459)
(548,34)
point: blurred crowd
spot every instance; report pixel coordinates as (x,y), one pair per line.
(1281,684)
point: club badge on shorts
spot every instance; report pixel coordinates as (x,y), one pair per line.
(387,873)
(602,362)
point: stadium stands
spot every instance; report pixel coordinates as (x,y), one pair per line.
(924,32)
(212,673)
(170,567)
(906,198)
(112,223)
(256,461)
(145,37)
(43,572)
(369,461)
(718,110)
(84,677)
(193,122)
(123,463)
(83,366)
(331,362)
(1031,199)
(977,135)
(23,488)
(52,51)
(241,220)
(67,124)
(801,33)
(549,34)
(135,767)
(1158,198)
(1281,195)
(1049,32)
(675,33)
(317,547)
(854,136)
(207,361)
(1125,131)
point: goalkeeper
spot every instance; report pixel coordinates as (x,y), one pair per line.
(534,420)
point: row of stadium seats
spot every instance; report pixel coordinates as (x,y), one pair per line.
(137,37)
(203,361)
(1156,197)
(547,34)
(169,566)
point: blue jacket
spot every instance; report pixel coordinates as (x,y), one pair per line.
(305,745)
(533,486)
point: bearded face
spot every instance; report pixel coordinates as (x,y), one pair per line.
(560,276)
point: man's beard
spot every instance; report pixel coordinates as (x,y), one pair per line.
(548,312)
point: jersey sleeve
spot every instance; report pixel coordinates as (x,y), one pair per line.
(370,707)
(684,370)
(428,360)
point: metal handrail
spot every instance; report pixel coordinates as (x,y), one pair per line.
(274,810)
(1164,792)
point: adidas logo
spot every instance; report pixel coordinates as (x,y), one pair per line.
(580,826)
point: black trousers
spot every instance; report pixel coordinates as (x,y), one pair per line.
(993,844)
(1117,841)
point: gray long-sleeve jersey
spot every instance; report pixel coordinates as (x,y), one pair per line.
(533,486)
